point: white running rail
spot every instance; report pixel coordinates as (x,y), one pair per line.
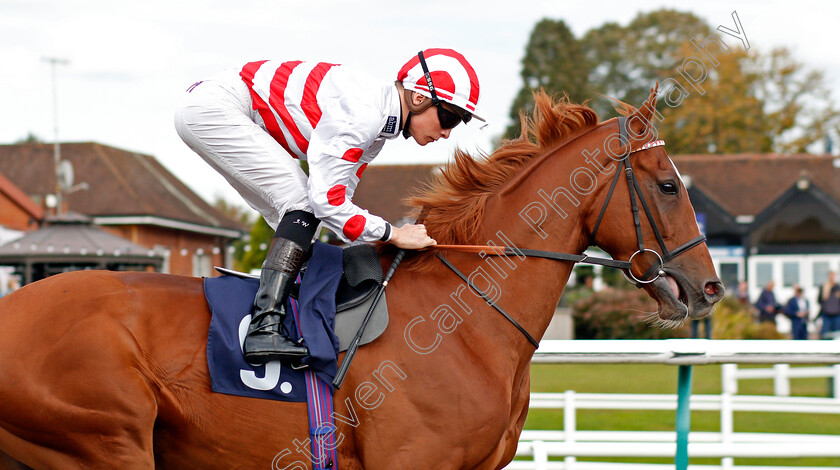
(570,443)
(781,375)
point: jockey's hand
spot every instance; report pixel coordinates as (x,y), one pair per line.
(411,237)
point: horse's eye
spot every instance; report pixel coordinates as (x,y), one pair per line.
(668,188)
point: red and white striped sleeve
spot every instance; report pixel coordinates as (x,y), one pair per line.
(341,140)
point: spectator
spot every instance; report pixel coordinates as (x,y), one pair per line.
(707,327)
(743,293)
(797,310)
(766,304)
(829,300)
(707,324)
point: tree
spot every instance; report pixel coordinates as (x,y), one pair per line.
(249,251)
(727,118)
(626,61)
(796,104)
(253,252)
(615,61)
(555,61)
(30,138)
(234,211)
(751,101)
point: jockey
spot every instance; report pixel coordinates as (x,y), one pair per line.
(252,124)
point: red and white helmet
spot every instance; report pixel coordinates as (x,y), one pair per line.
(453,78)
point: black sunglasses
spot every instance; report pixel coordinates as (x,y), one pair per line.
(449,118)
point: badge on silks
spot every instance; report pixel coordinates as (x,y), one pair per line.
(390,125)
(230,299)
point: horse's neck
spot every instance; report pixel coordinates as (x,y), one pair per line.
(533,287)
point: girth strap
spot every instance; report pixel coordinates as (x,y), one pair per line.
(488,300)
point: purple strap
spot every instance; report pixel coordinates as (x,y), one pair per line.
(319,400)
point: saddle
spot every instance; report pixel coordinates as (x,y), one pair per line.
(354,296)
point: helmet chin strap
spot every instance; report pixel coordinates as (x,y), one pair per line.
(405,132)
(412,108)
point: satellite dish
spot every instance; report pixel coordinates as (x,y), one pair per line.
(64,173)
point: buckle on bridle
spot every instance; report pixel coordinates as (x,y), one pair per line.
(629,271)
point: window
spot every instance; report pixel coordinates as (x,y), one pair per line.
(729,276)
(163,250)
(763,273)
(790,273)
(202,264)
(820,271)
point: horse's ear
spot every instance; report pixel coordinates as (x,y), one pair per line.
(640,123)
(648,108)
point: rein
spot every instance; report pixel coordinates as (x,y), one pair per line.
(485,250)
(489,300)
(625,266)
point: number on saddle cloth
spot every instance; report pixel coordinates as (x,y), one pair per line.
(230,298)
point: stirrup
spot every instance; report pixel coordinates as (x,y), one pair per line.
(299,365)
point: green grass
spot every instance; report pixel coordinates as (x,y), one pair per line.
(645,378)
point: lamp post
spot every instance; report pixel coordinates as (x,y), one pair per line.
(53,61)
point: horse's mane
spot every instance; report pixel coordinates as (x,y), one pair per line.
(453,201)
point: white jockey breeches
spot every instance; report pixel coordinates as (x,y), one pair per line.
(216,120)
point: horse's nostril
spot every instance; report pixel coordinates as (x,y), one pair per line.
(713,289)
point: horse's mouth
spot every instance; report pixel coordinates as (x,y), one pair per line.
(671,296)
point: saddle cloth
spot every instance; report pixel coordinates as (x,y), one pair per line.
(333,276)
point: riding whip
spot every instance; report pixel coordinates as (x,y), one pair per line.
(354,345)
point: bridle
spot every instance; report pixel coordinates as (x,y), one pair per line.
(633,186)
(626,266)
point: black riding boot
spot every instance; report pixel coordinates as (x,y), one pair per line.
(266,340)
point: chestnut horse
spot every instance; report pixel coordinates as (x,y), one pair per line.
(108,369)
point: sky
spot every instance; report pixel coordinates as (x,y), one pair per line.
(129,62)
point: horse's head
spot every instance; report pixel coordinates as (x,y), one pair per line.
(644,215)
(473,199)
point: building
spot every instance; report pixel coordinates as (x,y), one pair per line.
(384,188)
(769,217)
(71,243)
(130,195)
(18,214)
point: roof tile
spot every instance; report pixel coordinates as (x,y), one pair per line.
(383,187)
(745,184)
(120,183)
